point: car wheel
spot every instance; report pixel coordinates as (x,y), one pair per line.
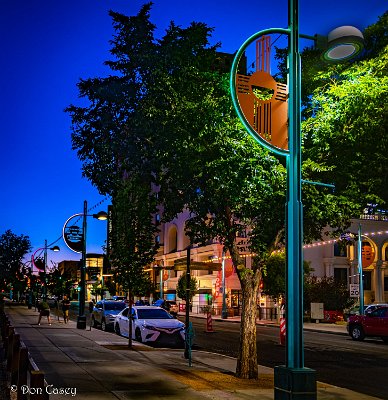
(117,329)
(357,333)
(103,325)
(385,339)
(138,335)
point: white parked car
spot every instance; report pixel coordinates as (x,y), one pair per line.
(151,324)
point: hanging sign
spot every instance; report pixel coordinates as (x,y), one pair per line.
(73,237)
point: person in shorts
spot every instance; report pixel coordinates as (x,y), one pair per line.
(44,311)
(65,309)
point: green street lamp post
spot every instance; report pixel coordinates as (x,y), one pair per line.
(45,248)
(75,239)
(294,381)
(360,273)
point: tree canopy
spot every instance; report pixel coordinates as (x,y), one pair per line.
(12,250)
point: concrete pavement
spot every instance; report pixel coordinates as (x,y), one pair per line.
(96,365)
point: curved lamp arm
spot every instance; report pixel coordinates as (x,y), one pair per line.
(54,248)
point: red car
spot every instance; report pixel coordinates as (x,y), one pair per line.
(373,323)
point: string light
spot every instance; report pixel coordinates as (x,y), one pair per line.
(306,246)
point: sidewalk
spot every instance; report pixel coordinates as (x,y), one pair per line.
(97,365)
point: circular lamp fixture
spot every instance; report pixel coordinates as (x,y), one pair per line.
(343,43)
(101,216)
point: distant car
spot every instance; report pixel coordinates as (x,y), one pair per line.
(373,323)
(118,298)
(372,307)
(169,305)
(151,324)
(104,313)
(142,303)
(356,309)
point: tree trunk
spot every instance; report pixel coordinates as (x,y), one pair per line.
(247,366)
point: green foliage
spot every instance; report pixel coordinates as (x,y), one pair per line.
(133,243)
(348,133)
(57,284)
(274,276)
(182,286)
(98,289)
(12,250)
(334,295)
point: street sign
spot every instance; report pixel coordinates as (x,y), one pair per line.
(354,290)
(73,237)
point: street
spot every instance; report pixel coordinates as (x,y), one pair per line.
(338,360)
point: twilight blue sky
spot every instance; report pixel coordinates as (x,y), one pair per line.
(48,45)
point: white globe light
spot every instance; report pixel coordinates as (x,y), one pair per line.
(344,42)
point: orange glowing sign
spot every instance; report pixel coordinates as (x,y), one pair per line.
(368,254)
(263,102)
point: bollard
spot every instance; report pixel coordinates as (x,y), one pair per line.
(15,358)
(37,382)
(209,323)
(282,332)
(11,332)
(23,370)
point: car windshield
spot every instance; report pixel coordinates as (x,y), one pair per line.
(115,306)
(153,313)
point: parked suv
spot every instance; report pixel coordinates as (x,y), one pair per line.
(373,323)
(169,305)
(104,313)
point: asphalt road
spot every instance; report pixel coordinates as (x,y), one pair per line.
(338,360)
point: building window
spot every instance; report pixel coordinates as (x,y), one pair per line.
(172,240)
(341,275)
(367,279)
(339,249)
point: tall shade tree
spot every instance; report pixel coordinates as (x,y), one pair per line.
(12,250)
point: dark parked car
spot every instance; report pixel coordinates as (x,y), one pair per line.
(169,305)
(373,323)
(104,313)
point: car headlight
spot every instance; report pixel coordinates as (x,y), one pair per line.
(149,327)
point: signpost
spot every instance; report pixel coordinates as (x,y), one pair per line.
(354,290)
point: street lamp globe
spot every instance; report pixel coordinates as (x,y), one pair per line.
(101,216)
(343,43)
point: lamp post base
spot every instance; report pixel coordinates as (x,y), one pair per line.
(295,383)
(224,314)
(81,322)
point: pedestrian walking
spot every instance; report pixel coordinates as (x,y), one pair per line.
(65,309)
(91,306)
(44,311)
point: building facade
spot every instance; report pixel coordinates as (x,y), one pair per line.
(331,257)
(340,258)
